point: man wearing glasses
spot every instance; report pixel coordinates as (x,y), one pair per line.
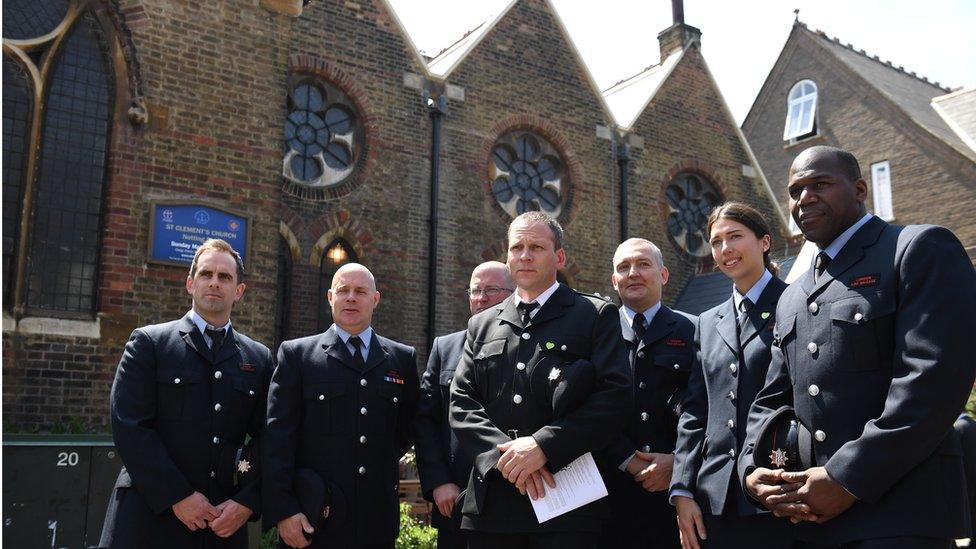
(443,467)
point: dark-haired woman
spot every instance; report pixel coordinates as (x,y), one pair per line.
(733,352)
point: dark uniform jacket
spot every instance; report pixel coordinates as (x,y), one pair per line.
(563,380)
(876,358)
(348,425)
(178,419)
(724,381)
(661,363)
(439,459)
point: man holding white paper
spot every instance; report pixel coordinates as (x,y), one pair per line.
(543,379)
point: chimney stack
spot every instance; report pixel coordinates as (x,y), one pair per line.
(675,37)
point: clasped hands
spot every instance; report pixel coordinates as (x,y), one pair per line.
(523,464)
(810,495)
(651,470)
(196,513)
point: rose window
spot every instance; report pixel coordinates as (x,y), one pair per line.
(690,200)
(527,174)
(321,135)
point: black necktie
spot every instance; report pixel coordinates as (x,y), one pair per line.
(357,355)
(820,265)
(216,336)
(526,310)
(639,330)
(745,306)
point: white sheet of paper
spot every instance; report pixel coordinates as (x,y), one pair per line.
(577,484)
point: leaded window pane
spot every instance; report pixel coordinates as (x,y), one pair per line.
(65,238)
(24,19)
(16,117)
(527,174)
(690,199)
(322,134)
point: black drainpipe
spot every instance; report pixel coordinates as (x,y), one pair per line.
(437,109)
(623,159)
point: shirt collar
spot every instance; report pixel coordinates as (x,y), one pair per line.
(649,314)
(543,297)
(202,324)
(366,335)
(837,245)
(754,292)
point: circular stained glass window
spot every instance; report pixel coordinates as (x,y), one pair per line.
(322,135)
(527,174)
(690,199)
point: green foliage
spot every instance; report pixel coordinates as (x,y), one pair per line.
(414,534)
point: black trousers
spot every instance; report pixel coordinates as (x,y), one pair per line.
(547,540)
(890,543)
(748,532)
(450,538)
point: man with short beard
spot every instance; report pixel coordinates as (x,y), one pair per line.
(442,465)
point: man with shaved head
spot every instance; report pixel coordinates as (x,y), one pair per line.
(443,466)
(873,351)
(638,463)
(340,415)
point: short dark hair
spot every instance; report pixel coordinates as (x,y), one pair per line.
(752,218)
(544,218)
(846,159)
(218,245)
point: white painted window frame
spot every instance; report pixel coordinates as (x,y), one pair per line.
(796,103)
(881,190)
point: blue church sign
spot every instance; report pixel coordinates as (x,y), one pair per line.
(178,228)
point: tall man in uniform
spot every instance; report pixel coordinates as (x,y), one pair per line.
(443,467)
(543,380)
(186,395)
(873,351)
(639,462)
(340,415)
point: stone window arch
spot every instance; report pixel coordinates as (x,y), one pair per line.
(690,199)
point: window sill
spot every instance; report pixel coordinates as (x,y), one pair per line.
(37,325)
(804,141)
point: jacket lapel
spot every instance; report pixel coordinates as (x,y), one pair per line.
(554,306)
(762,312)
(661,325)
(509,313)
(194,339)
(335,348)
(229,348)
(377,353)
(726,325)
(851,253)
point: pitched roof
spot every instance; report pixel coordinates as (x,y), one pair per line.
(450,57)
(628,98)
(958,109)
(911,93)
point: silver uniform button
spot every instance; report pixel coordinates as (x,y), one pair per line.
(362,439)
(640,354)
(526,335)
(812,347)
(362,470)
(813,308)
(677,367)
(858,317)
(645,416)
(251,392)
(321,397)
(820,435)
(395,400)
(731,395)
(176,381)
(645,448)
(362,382)
(733,367)
(362,411)
(216,440)
(217,407)
(563,348)
(213,474)
(813,390)
(641,385)
(520,366)
(517,399)
(731,424)
(218,374)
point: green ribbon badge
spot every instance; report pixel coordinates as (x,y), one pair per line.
(764,316)
(550,345)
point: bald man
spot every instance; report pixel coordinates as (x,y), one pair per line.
(443,467)
(340,415)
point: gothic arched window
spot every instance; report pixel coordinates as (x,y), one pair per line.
(801,111)
(691,198)
(58,100)
(336,254)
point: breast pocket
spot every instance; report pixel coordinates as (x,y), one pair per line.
(389,399)
(857,324)
(177,393)
(490,365)
(327,408)
(246,393)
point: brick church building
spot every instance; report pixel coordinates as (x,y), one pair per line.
(319,135)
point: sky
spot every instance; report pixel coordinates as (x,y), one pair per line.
(740,39)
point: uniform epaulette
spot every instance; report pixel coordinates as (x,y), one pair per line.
(595,295)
